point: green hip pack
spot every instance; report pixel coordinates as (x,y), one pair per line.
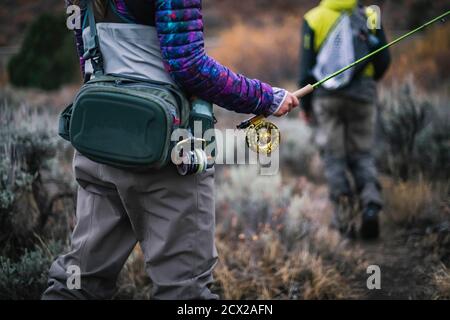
(125,122)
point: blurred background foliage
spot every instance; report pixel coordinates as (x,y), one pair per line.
(46,59)
(272,24)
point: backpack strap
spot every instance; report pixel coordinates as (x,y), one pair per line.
(93,45)
(360,16)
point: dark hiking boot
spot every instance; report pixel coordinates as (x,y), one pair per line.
(370,224)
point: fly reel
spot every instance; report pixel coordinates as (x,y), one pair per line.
(263,137)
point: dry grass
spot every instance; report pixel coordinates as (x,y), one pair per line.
(441,279)
(289,254)
(262,268)
(411,202)
(283,250)
(133,281)
(258,268)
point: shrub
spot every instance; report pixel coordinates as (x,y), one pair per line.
(47,58)
(28,144)
(249,207)
(31,185)
(415,133)
(26,278)
(22,155)
(411,203)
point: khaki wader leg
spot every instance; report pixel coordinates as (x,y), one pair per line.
(331,142)
(171,216)
(101,241)
(359,145)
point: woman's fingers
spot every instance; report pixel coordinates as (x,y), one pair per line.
(289,103)
(295,101)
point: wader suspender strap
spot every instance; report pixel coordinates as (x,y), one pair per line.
(93,45)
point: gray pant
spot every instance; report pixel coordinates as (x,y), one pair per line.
(345,136)
(172,217)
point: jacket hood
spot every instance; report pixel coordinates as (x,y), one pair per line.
(339,5)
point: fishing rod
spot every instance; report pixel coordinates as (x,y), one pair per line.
(258,122)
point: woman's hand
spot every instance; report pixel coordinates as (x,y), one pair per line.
(289,103)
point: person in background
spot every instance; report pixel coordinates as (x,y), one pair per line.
(334,34)
(171,216)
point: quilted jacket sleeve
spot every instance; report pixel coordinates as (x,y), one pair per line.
(180,29)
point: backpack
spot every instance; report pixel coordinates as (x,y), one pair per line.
(349,40)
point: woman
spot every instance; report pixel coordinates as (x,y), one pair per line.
(172,217)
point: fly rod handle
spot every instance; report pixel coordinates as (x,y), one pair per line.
(304,91)
(299,94)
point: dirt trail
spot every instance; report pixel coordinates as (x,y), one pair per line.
(406,267)
(403,268)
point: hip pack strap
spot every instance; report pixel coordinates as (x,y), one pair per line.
(93,45)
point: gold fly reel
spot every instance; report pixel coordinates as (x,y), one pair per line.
(263,137)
